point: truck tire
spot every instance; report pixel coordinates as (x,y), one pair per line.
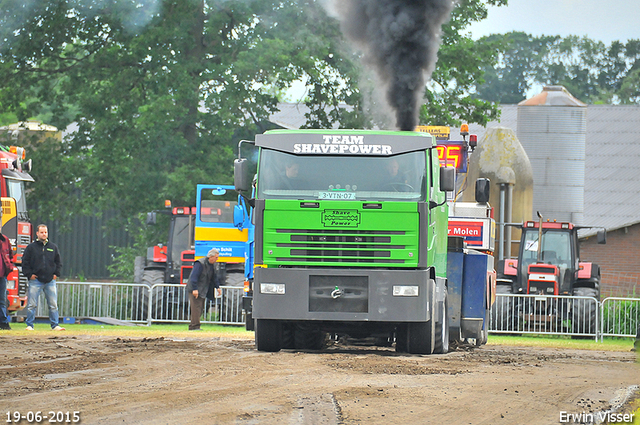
(421,337)
(248,321)
(402,338)
(442,328)
(268,335)
(583,316)
(504,312)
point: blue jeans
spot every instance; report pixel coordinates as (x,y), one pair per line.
(51,293)
(4,317)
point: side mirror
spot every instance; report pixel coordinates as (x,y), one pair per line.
(602,236)
(151,218)
(238,216)
(447,179)
(241,176)
(483,190)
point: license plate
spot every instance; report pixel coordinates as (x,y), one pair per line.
(337,195)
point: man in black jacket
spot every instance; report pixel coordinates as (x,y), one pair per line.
(41,264)
(202,277)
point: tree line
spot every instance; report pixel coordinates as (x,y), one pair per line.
(159,92)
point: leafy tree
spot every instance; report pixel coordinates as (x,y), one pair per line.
(590,70)
(461,66)
(161,90)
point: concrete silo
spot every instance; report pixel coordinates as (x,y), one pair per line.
(552,130)
(501,158)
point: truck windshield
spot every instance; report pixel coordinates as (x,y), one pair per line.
(556,247)
(15,190)
(286,176)
(180,238)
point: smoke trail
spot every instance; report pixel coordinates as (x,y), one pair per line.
(400,38)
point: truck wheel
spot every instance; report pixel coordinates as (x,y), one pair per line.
(248,321)
(402,339)
(421,337)
(583,316)
(504,315)
(268,335)
(442,329)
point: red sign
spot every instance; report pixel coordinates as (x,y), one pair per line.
(471,232)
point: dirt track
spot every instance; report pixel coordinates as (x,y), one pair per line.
(224,381)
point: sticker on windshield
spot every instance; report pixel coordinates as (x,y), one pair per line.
(337,195)
(531,246)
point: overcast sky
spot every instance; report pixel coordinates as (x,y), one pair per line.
(603,20)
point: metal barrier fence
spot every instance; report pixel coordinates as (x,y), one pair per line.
(581,317)
(543,314)
(139,303)
(620,317)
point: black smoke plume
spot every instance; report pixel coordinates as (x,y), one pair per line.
(400,38)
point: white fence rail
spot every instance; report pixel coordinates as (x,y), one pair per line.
(140,303)
(620,317)
(522,314)
(581,317)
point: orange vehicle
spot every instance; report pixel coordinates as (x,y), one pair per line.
(14,172)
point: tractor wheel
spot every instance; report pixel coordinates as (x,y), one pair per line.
(138,269)
(149,278)
(268,335)
(442,329)
(583,316)
(504,312)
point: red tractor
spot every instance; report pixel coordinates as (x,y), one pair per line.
(548,265)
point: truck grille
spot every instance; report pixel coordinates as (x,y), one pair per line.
(22,286)
(341,246)
(340,234)
(22,242)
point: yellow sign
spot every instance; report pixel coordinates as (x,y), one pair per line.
(440,132)
(8,209)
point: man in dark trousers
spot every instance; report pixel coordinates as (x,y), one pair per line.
(41,264)
(6,266)
(203,276)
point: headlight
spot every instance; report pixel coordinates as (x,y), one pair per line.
(405,291)
(272,288)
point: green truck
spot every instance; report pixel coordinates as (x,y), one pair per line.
(350,238)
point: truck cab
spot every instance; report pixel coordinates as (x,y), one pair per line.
(14,173)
